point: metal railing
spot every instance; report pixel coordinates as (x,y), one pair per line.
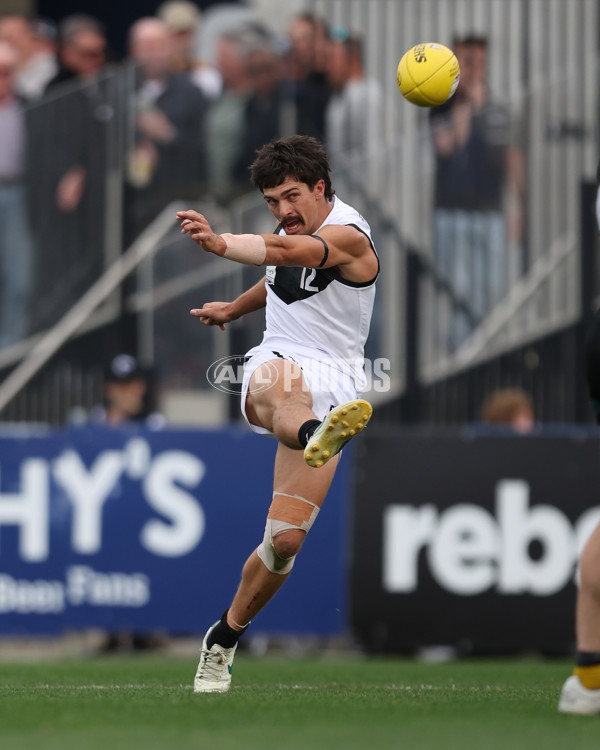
(48,344)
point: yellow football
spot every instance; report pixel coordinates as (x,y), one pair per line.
(428,74)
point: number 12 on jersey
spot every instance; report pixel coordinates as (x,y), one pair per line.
(305,281)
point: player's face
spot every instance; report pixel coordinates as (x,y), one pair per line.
(296,206)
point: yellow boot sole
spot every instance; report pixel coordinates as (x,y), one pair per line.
(341,424)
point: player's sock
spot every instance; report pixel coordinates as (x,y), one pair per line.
(224,634)
(588,669)
(307,430)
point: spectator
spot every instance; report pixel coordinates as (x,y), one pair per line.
(510,407)
(127,402)
(35,42)
(67,188)
(353,118)
(15,243)
(307,65)
(167,161)
(266,109)
(126,395)
(43,66)
(227,116)
(82,56)
(82,49)
(476,160)
(183,18)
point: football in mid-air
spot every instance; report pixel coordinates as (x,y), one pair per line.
(428,74)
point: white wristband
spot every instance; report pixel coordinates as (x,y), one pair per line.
(245,248)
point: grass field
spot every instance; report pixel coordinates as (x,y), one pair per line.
(288,704)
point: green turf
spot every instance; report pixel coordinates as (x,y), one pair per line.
(288,704)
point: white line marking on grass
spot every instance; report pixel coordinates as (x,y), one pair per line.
(336,686)
(94,687)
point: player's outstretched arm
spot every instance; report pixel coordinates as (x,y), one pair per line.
(338,246)
(333,245)
(219,313)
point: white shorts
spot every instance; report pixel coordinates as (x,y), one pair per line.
(329,385)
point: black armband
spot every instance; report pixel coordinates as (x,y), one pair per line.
(326,252)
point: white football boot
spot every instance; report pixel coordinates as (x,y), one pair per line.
(339,426)
(215,667)
(577,699)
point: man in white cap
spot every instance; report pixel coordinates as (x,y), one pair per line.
(183,18)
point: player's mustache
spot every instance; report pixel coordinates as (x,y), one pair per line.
(293,220)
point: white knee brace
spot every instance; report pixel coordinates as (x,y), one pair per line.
(286,512)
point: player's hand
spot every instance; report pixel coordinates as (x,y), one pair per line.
(215,314)
(200,231)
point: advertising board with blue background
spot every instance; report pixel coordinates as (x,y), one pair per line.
(148,530)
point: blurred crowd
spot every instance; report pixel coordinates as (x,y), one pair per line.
(72,143)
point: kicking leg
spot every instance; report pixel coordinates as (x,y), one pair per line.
(285,408)
(279,400)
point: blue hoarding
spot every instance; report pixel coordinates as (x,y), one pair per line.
(148,530)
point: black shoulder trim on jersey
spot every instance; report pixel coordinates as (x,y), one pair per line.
(325,254)
(358,284)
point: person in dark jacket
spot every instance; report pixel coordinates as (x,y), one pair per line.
(167,159)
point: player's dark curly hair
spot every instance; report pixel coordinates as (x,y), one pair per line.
(299,157)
